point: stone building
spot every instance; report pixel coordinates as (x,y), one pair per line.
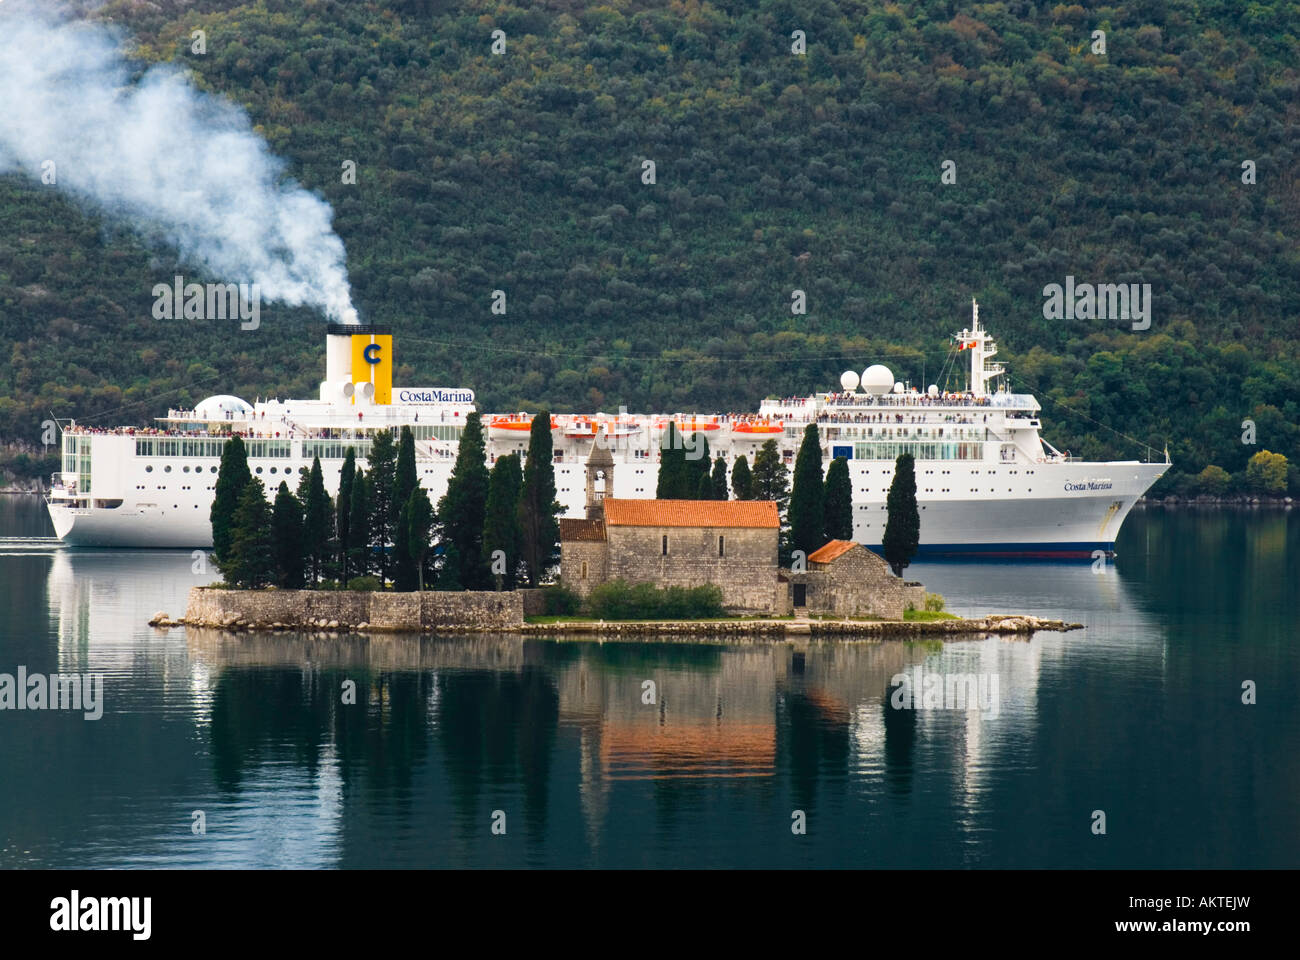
(732,544)
(845,579)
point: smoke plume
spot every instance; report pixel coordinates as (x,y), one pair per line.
(158,153)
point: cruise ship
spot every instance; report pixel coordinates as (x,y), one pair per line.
(988,485)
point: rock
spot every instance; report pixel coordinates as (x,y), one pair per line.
(158,619)
(333,624)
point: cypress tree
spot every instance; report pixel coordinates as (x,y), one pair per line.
(903,520)
(462,508)
(742,481)
(251,559)
(232,477)
(343,512)
(502,529)
(672,465)
(359,526)
(538,507)
(418,530)
(807,515)
(720,478)
(771,481)
(287,536)
(838,501)
(381,466)
(404,481)
(699,469)
(705,489)
(318,522)
(771,478)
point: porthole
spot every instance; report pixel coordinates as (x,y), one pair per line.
(258,470)
(149,468)
(212,469)
(167,469)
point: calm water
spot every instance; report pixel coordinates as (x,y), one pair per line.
(1139,715)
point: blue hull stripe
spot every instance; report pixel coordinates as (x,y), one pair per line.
(1080,550)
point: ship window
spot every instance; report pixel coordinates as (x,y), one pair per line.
(167,469)
(149,469)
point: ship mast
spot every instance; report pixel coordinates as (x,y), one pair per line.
(982,349)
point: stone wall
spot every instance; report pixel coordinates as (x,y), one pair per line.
(534,601)
(746,572)
(573,555)
(913,595)
(430,610)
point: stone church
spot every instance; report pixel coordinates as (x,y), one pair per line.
(732,544)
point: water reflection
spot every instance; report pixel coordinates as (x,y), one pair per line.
(1138,713)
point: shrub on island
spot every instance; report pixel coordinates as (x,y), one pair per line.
(620,600)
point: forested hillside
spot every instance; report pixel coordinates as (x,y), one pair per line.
(523,172)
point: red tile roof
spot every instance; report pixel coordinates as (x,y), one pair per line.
(591,531)
(692,513)
(831,551)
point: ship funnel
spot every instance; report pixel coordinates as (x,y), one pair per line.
(338,355)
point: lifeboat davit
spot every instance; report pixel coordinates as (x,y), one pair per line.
(621,428)
(758,427)
(581,428)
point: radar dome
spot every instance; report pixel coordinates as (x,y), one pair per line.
(849,380)
(932,390)
(877,379)
(898,387)
(222,407)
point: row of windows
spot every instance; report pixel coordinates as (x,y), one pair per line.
(919,451)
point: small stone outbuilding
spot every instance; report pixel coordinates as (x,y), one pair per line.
(845,579)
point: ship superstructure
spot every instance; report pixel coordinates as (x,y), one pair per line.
(987,483)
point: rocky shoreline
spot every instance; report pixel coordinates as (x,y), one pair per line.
(1005,624)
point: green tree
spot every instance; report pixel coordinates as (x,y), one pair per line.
(318,522)
(404,481)
(672,466)
(771,478)
(251,559)
(539,510)
(838,501)
(1266,473)
(381,467)
(903,520)
(502,529)
(807,516)
(742,481)
(232,476)
(287,537)
(462,508)
(705,489)
(343,513)
(1213,480)
(700,464)
(720,478)
(359,526)
(418,524)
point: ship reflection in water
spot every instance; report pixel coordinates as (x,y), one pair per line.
(655,754)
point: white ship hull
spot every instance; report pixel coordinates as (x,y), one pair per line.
(989,511)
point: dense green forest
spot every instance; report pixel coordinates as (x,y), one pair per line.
(523,172)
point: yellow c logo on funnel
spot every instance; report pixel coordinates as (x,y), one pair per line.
(372,361)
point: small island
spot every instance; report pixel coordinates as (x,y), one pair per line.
(749,555)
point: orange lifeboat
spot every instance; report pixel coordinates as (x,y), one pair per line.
(514,425)
(758,427)
(689,425)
